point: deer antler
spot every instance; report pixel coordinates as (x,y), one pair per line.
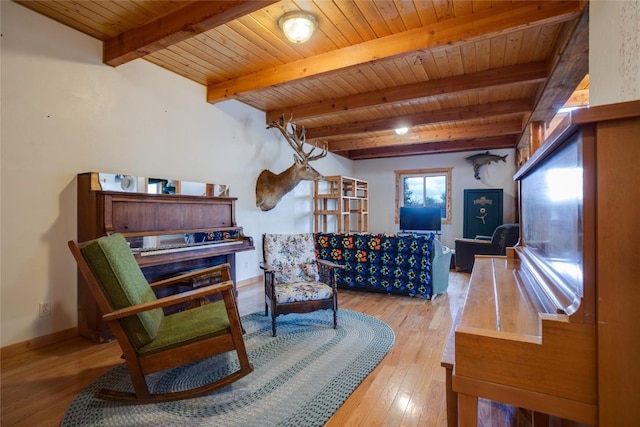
(296,139)
(271,187)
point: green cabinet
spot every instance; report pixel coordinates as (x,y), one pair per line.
(482,212)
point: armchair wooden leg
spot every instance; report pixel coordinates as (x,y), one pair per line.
(335,309)
(273,324)
(274,314)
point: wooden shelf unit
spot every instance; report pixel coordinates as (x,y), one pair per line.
(341,205)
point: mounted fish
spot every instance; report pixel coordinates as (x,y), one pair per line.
(485,158)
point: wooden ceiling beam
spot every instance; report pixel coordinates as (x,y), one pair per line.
(438,147)
(515,74)
(579,98)
(511,127)
(481,111)
(569,64)
(447,33)
(194,18)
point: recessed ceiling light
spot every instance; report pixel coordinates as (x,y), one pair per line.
(401,131)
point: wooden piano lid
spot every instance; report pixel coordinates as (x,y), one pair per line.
(498,303)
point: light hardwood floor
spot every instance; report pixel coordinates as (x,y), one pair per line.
(406,389)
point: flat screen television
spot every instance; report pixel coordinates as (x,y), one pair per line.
(420,218)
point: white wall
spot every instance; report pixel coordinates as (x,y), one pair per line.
(614,51)
(64,112)
(379,173)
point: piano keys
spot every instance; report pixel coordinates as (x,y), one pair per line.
(552,326)
(170,249)
(168,234)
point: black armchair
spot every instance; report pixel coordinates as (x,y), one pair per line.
(504,236)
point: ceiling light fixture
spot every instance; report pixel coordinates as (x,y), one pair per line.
(298,26)
(401,131)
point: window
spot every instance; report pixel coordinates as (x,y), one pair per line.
(424,187)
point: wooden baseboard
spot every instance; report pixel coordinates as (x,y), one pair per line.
(249,282)
(32,344)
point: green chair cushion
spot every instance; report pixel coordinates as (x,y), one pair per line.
(124,285)
(187,326)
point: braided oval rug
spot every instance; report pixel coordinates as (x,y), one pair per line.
(300,378)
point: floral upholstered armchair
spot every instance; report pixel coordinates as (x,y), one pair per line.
(294,280)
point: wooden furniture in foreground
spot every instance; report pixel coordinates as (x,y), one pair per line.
(151,341)
(295,281)
(341,205)
(169,234)
(448,362)
(553,326)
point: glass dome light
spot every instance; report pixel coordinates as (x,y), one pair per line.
(298,26)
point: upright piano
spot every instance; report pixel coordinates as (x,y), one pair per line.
(554,325)
(168,234)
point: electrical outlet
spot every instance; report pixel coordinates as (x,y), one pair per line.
(45,308)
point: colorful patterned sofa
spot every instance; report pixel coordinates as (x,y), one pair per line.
(403,265)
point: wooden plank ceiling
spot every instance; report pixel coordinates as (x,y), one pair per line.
(463,75)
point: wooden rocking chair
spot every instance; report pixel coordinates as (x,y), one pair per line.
(150,340)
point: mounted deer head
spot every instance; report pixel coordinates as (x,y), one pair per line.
(271,187)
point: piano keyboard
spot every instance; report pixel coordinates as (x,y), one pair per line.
(181,248)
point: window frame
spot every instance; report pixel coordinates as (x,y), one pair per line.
(446,172)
